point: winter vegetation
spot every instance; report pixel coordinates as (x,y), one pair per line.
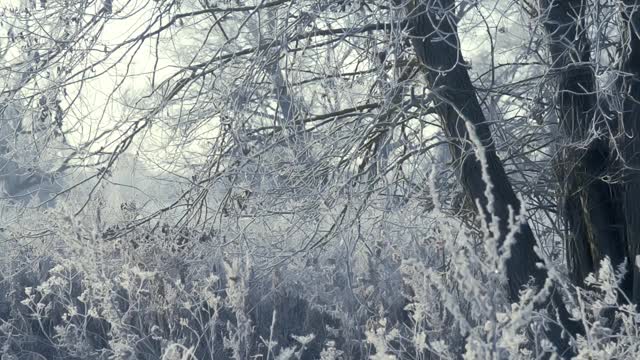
(319,179)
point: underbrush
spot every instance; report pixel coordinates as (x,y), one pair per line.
(80,293)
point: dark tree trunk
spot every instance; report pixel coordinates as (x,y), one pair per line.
(590,205)
(434,37)
(629,84)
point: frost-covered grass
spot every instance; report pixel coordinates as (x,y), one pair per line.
(430,290)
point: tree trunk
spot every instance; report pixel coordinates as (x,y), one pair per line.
(589,205)
(435,40)
(629,84)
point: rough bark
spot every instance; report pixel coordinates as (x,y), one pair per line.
(590,205)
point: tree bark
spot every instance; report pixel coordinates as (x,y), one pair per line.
(590,205)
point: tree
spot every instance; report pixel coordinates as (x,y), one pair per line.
(481,172)
(597,206)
